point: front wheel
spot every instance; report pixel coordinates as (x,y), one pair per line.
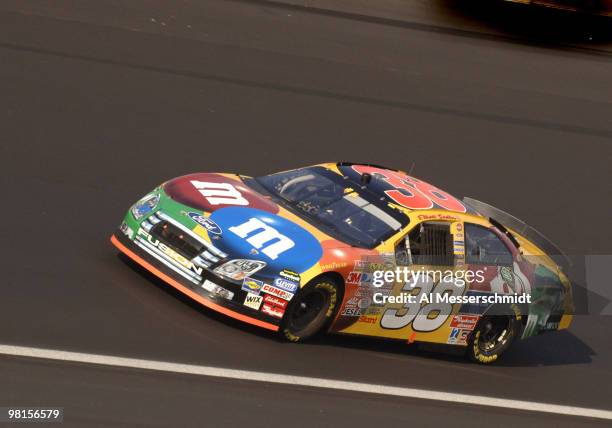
(310,310)
(492,337)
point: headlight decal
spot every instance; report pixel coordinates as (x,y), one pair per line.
(145,206)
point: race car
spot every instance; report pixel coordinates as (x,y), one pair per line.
(595,7)
(323,249)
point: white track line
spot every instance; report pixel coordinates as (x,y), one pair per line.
(422,394)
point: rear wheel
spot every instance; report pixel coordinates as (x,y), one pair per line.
(310,310)
(492,337)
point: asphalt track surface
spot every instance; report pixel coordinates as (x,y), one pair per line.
(101,101)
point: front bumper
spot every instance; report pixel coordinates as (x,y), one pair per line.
(233,308)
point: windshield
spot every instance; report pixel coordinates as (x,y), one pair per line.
(333,203)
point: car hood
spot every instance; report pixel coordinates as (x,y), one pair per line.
(245,224)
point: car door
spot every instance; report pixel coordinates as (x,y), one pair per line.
(429,250)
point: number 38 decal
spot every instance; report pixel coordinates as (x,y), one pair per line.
(427,316)
(411,192)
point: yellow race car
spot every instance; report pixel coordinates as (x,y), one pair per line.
(352,249)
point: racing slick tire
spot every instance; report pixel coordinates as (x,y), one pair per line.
(312,308)
(492,337)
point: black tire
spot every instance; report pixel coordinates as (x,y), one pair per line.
(492,337)
(310,310)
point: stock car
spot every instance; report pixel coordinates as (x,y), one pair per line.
(298,252)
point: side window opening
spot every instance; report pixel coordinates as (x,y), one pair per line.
(427,244)
(483,247)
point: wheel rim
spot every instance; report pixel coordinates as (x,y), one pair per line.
(494,334)
(309,306)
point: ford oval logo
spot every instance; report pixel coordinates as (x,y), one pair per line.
(206,223)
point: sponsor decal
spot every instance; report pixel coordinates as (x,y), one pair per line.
(263,237)
(334,266)
(286,285)
(383,261)
(360,304)
(351,312)
(360,265)
(270,289)
(219,193)
(170,253)
(353,301)
(253,301)
(290,275)
(273,311)
(361,300)
(458,336)
(368,320)
(353,277)
(209,192)
(356,277)
(458,242)
(205,222)
(464,322)
(217,289)
(364,302)
(238,269)
(275,301)
(252,285)
(276,240)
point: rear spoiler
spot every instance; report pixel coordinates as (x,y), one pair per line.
(499,217)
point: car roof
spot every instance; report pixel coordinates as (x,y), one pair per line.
(400,189)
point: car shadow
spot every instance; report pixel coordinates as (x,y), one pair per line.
(550,349)
(201,309)
(534,23)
